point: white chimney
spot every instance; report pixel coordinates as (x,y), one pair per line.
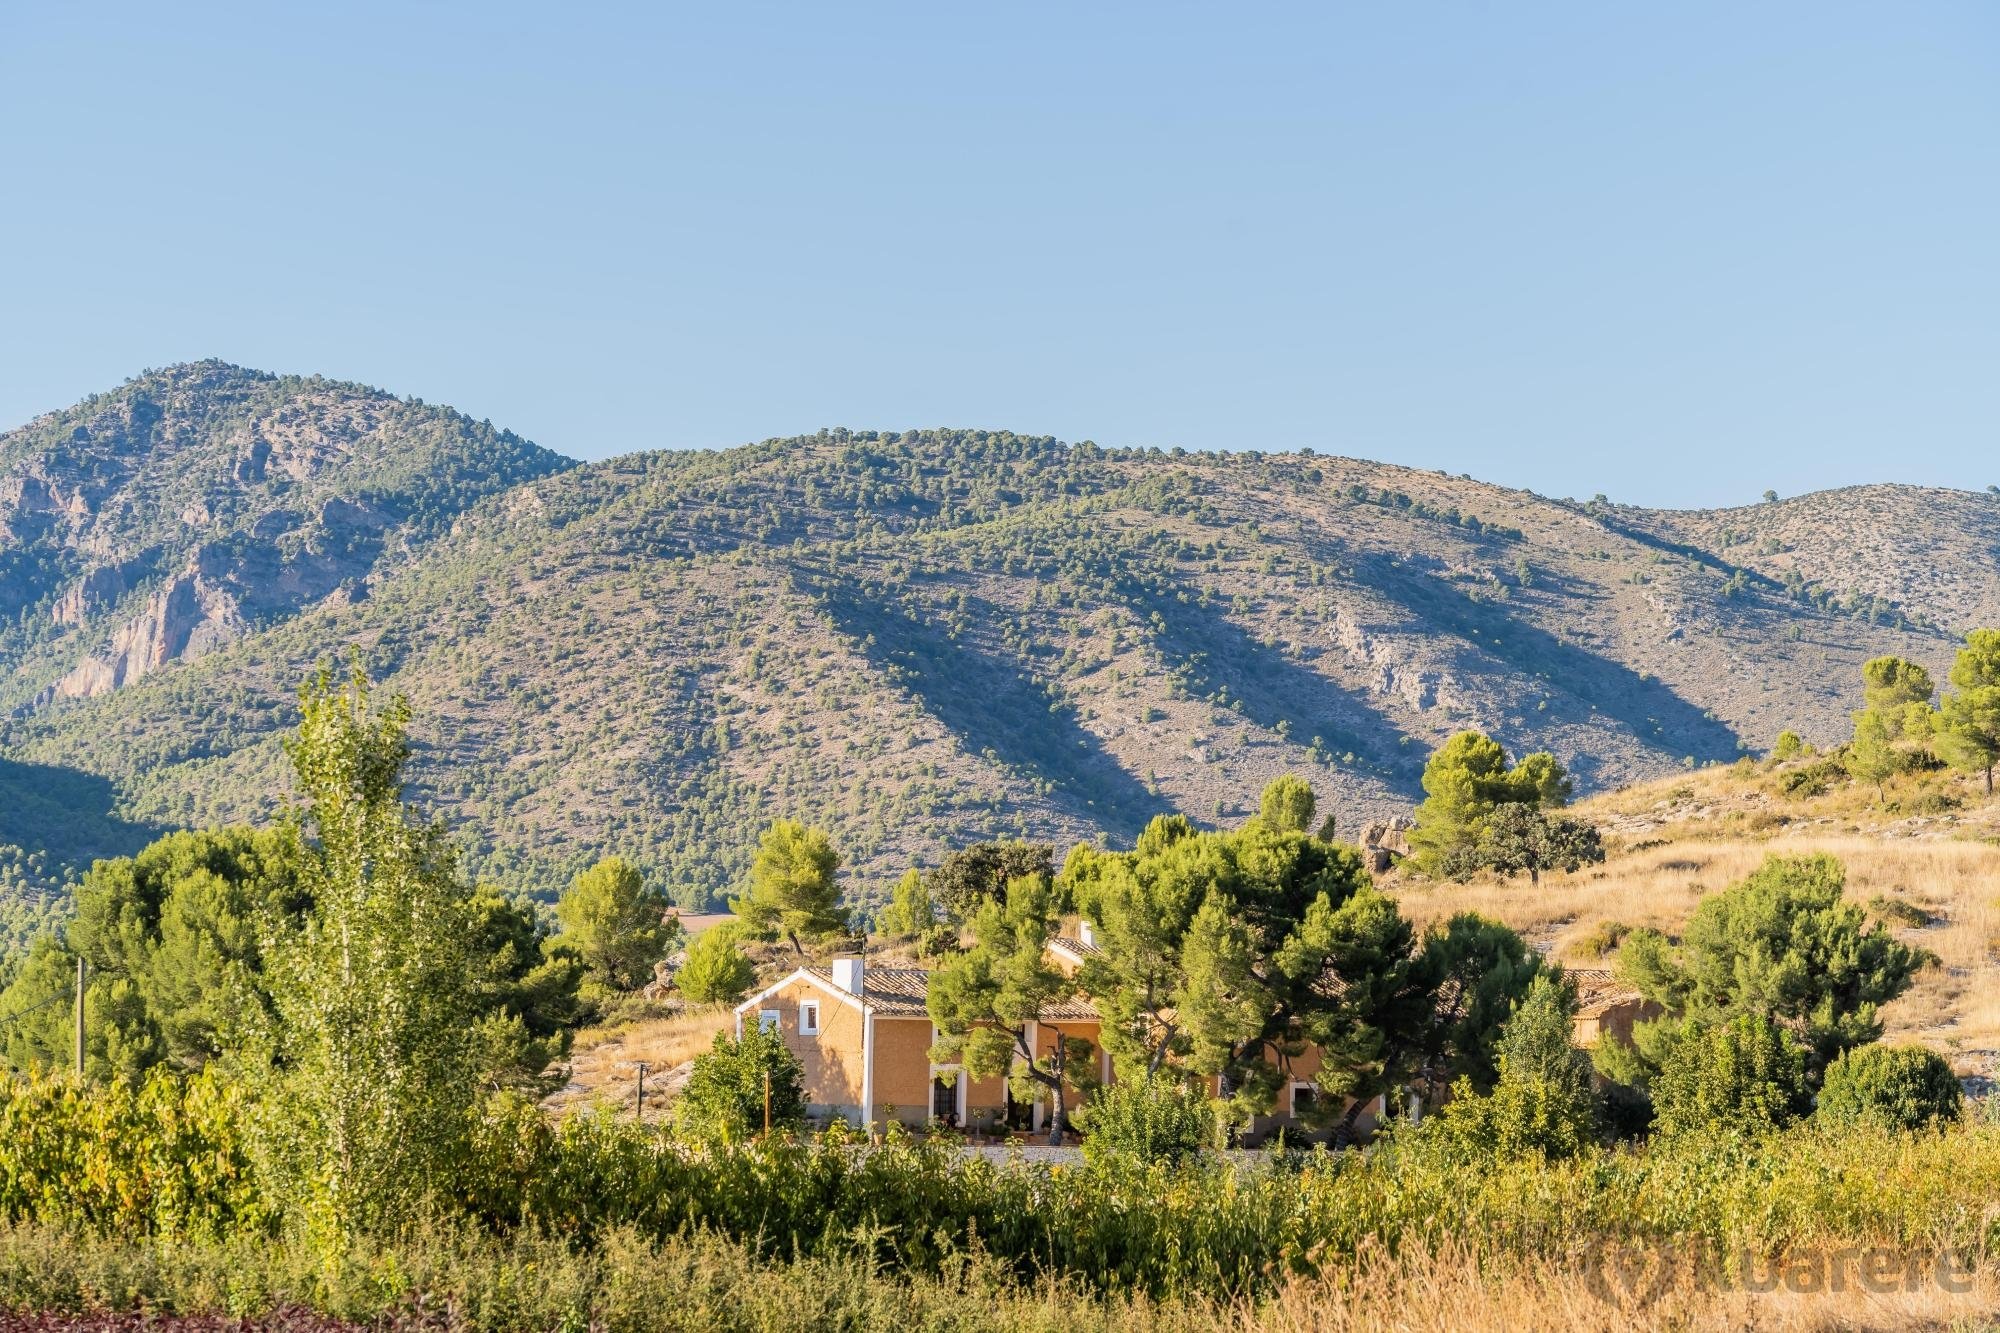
(1085,933)
(847,971)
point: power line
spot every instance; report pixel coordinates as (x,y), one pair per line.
(53,999)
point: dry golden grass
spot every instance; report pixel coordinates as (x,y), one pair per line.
(605,1062)
(1454,1291)
(1672,842)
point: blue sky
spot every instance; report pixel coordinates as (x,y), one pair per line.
(1676,253)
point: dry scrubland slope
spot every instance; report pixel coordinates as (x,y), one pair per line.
(919,639)
(1926,862)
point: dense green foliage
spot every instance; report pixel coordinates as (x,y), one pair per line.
(1968,730)
(617,924)
(735,1085)
(1287,805)
(964,880)
(1745,1074)
(364,1081)
(1229,955)
(717,971)
(1465,783)
(1521,837)
(986,1001)
(102,1163)
(174,941)
(1782,944)
(792,889)
(1894,1087)
(1542,1102)
(1147,1119)
(526,989)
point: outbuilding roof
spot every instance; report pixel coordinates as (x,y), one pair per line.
(1599,989)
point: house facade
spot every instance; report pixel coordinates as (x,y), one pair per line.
(863,1038)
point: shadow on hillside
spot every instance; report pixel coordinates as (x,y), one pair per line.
(1656,715)
(992,705)
(66,813)
(1212,651)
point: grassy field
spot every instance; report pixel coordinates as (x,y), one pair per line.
(702,1282)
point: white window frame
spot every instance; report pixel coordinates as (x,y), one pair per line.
(1310,1088)
(770,1020)
(808,1018)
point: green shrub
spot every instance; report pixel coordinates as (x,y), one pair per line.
(1803,784)
(716,970)
(84,1166)
(1603,938)
(1895,1087)
(732,1083)
(1148,1120)
(1542,1104)
(1900,911)
(1790,745)
(168,1157)
(1746,1074)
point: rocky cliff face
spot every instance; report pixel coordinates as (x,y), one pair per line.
(188,617)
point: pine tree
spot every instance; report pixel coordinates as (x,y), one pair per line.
(1871,756)
(617,924)
(985,1000)
(1287,805)
(792,889)
(716,970)
(1968,736)
(1543,1102)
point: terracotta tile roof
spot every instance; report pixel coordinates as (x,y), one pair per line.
(1078,1010)
(1599,989)
(899,992)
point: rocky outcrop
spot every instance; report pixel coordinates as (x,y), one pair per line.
(1383,844)
(95,591)
(187,618)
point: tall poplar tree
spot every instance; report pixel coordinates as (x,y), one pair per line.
(368,1083)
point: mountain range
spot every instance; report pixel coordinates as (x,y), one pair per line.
(917,638)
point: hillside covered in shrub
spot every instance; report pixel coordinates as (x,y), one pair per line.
(912,638)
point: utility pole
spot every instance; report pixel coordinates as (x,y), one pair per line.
(639,1111)
(79,1018)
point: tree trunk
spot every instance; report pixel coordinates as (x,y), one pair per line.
(1534,876)
(1061,1116)
(1344,1135)
(797,948)
(1989,779)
